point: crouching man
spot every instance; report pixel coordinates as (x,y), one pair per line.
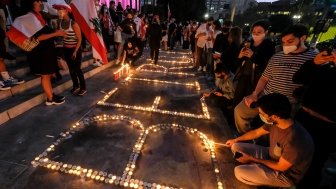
(290,150)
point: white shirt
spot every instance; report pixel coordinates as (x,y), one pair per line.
(137,21)
(203,40)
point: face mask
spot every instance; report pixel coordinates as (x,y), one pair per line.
(265,120)
(258,37)
(289,49)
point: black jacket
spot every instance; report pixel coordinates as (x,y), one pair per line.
(154,35)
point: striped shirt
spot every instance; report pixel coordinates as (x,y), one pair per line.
(70,40)
(280,71)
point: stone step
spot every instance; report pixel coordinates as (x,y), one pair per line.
(24,101)
(32,81)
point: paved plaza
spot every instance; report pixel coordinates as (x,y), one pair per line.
(148,129)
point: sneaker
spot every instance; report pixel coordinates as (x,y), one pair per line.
(204,68)
(97,63)
(200,69)
(13,81)
(74,90)
(54,101)
(3,86)
(81,92)
(58,97)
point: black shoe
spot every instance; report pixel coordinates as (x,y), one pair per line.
(59,97)
(54,101)
(74,90)
(81,92)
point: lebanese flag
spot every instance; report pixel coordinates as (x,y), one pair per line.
(24,27)
(85,12)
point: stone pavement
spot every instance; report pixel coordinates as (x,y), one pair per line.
(142,140)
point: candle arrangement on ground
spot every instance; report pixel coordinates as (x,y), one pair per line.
(126,179)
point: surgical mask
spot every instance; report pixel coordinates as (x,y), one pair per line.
(257,38)
(265,120)
(289,49)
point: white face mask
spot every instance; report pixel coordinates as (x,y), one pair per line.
(289,49)
(257,38)
(265,120)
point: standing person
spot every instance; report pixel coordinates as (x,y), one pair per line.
(120,11)
(128,30)
(230,53)
(155,36)
(318,113)
(192,39)
(106,23)
(284,162)
(164,35)
(186,33)
(204,37)
(42,58)
(253,59)
(72,51)
(278,75)
(172,27)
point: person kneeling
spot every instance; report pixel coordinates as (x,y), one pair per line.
(285,161)
(130,53)
(224,92)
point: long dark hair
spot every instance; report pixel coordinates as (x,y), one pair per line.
(27,5)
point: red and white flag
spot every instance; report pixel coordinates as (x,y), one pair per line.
(86,16)
(24,27)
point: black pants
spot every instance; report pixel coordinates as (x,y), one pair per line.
(154,53)
(323,134)
(75,70)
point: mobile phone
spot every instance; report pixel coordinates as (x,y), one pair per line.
(237,155)
(247,44)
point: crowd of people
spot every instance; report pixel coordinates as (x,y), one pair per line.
(286,94)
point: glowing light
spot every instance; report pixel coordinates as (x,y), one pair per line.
(153,108)
(122,71)
(164,70)
(126,180)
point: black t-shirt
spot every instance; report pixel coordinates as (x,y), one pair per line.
(172,27)
(130,51)
(128,27)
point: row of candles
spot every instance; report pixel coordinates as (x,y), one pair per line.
(205,115)
(122,71)
(126,180)
(164,70)
(174,61)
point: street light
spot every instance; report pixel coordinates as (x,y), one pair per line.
(297,17)
(206,15)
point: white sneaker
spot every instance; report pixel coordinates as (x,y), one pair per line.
(200,69)
(204,68)
(3,86)
(97,63)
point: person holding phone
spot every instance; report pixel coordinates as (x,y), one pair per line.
(72,50)
(278,75)
(252,59)
(317,113)
(284,162)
